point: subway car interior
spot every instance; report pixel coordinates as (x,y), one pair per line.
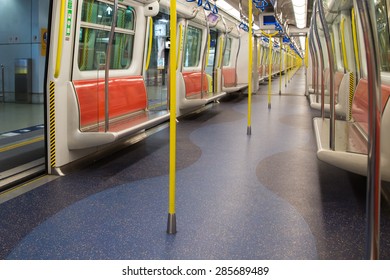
(195,129)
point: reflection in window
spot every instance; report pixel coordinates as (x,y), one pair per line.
(228,51)
(338,45)
(94,37)
(264,55)
(383,34)
(192,47)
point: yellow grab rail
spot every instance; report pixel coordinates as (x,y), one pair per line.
(269,35)
(250,49)
(344,48)
(221,42)
(208,50)
(287,62)
(150,43)
(180,44)
(307,52)
(355,44)
(280,65)
(60,39)
(269,71)
(171,227)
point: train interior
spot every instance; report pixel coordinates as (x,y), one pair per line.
(85,139)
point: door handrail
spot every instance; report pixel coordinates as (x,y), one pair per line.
(329,48)
(107,68)
(321,60)
(370,37)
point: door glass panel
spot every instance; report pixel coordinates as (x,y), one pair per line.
(192,48)
(156,76)
(383,34)
(210,67)
(22,70)
(227,53)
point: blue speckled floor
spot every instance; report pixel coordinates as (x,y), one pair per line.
(238,197)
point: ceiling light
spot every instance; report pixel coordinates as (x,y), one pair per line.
(300,11)
(228,9)
(302,40)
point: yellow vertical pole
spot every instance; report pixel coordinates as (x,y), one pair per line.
(250,51)
(287,66)
(280,65)
(171,228)
(269,71)
(307,52)
(60,38)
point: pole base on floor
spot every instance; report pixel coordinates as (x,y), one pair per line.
(269,105)
(249,130)
(171,228)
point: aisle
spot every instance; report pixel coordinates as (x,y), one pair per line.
(263,196)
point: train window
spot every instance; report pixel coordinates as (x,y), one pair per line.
(228,51)
(339,44)
(383,34)
(192,47)
(334,38)
(94,36)
(99,12)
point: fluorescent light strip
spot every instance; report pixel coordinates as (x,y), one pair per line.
(300,11)
(228,9)
(303,43)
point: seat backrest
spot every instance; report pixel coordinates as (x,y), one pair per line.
(360,103)
(229,76)
(193,83)
(126,96)
(338,77)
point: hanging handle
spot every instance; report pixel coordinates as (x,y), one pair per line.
(215,9)
(207,6)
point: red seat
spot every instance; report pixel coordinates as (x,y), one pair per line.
(193,83)
(360,103)
(229,77)
(126,96)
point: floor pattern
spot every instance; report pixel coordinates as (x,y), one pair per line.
(263,196)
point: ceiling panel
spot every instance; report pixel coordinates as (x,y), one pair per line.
(284,6)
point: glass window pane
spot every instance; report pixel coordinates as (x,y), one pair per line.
(125,18)
(93,40)
(122,51)
(92,49)
(93,46)
(383,34)
(228,50)
(101,13)
(97,12)
(192,47)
